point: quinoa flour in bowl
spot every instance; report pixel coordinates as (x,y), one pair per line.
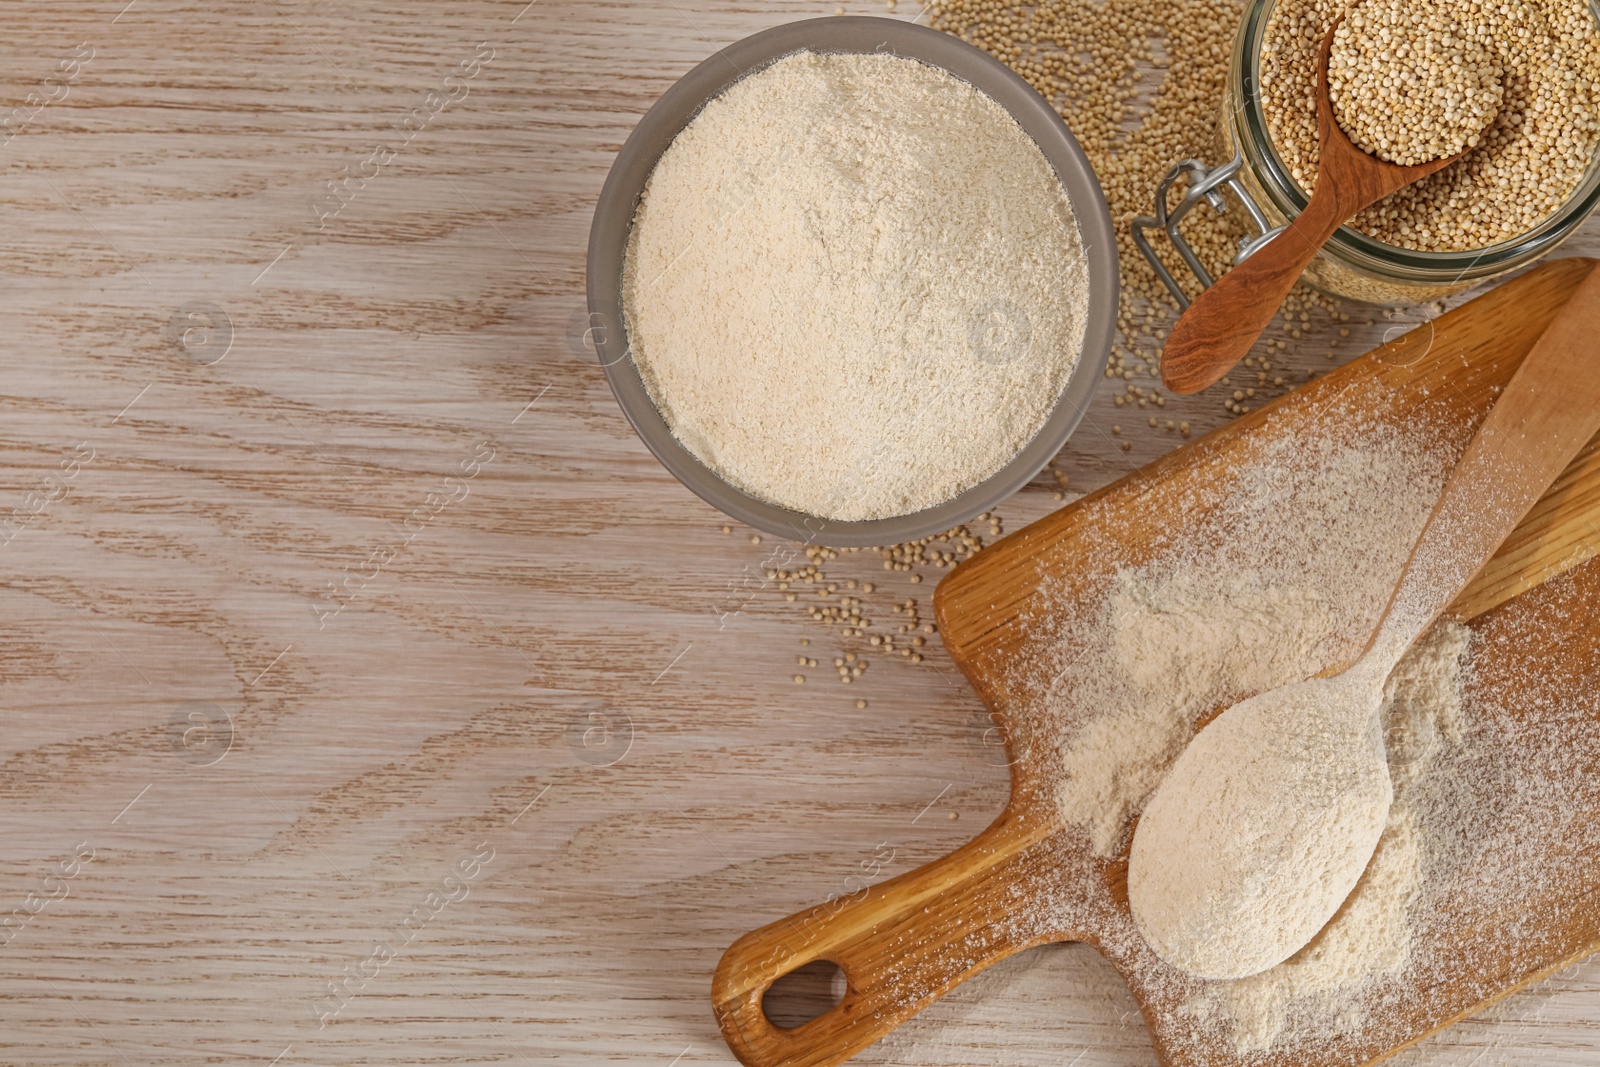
(857,291)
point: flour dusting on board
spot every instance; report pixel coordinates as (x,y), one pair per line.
(1284,564)
(1368,943)
(1288,571)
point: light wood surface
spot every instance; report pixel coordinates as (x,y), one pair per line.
(561,658)
(907,942)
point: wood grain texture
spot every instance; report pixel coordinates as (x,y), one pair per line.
(569,629)
(1543,418)
(897,947)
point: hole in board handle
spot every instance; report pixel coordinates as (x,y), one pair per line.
(810,990)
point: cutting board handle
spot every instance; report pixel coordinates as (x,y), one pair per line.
(901,945)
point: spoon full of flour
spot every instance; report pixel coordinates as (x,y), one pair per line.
(1265,823)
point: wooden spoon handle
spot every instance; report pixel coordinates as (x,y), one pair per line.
(901,945)
(1560,533)
(1218,329)
(1547,413)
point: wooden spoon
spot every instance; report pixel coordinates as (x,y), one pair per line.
(1218,853)
(1218,329)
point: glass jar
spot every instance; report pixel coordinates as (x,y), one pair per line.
(1351,264)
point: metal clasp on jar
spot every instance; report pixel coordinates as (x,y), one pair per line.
(1204,184)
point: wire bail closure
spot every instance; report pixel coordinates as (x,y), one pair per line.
(1204,184)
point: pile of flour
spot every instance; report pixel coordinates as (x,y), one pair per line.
(1286,571)
(1263,826)
(1290,568)
(854,285)
(1369,940)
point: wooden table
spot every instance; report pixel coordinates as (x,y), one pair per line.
(372,695)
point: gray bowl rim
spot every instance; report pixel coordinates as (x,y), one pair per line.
(619,198)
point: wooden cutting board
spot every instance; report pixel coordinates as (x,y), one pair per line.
(905,942)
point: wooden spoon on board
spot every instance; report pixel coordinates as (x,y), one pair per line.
(1217,330)
(1295,779)
(905,942)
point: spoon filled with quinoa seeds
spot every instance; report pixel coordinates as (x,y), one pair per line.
(1403,89)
